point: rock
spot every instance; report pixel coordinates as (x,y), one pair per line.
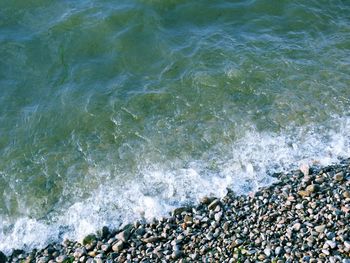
(347,244)
(176,254)
(312,188)
(226,226)
(236,243)
(180,210)
(105,232)
(92,253)
(267,252)
(61,258)
(105,247)
(206,200)
(275,224)
(218,216)
(278,250)
(331,244)
(346,194)
(123,236)
(89,239)
(213,204)
(79,252)
(188,219)
(3,258)
(151,239)
(296,226)
(303,193)
(320,228)
(42,260)
(326,252)
(118,246)
(299,206)
(339,177)
(305,169)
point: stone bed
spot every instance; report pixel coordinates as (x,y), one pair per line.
(303,217)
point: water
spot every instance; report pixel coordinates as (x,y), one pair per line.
(116,110)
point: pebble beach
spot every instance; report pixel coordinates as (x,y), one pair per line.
(302,217)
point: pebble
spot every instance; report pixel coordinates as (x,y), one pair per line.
(218,216)
(331,244)
(298,219)
(299,206)
(267,252)
(320,228)
(296,226)
(339,177)
(118,246)
(61,258)
(79,252)
(3,258)
(213,204)
(278,250)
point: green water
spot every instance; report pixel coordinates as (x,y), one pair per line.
(110,105)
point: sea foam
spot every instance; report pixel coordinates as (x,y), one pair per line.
(243,167)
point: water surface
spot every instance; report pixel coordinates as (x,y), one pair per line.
(116,110)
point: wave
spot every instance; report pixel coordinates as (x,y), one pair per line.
(243,166)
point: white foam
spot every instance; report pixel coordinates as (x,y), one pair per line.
(243,166)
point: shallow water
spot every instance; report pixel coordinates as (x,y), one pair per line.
(117,110)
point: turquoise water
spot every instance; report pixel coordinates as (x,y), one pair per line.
(116,110)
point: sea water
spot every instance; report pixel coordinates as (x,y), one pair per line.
(112,111)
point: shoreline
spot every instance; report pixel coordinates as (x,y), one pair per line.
(305,216)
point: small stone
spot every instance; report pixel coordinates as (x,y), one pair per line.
(92,253)
(180,210)
(278,250)
(347,244)
(236,243)
(251,252)
(105,232)
(43,260)
(188,219)
(218,216)
(320,228)
(89,239)
(339,177)
(226,226)
(206,200)
(79,252)
(140,231)
(296,226)
(118,246)
(331,244)
(267,252)
(209,236)
(299,206)
(303,193)
(312,188)
(124,235)
(326,252)
(151,239)
(3,258)
(61,258)
(305,169)
(213,204)
(346,194)
(306,259)
(176,254)
(105,247)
